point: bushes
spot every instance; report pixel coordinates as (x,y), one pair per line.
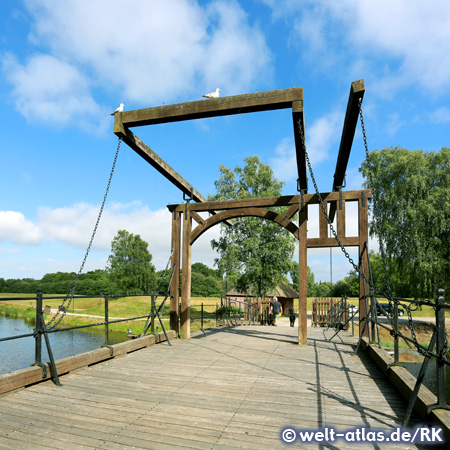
(228,310)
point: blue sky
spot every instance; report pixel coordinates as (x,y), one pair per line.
(65,66)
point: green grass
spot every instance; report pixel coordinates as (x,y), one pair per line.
(127,307)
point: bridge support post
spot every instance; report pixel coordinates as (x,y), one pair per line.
(185,325)
(302,275)
(175,263)
(363,234)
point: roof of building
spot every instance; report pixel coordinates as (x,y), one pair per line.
(283,290)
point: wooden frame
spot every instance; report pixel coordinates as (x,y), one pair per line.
(232,209)
(183,215)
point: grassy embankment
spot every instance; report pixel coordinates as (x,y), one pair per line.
(119,308)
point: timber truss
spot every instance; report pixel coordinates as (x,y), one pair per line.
(184,214)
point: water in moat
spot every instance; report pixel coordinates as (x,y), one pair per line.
(19,353)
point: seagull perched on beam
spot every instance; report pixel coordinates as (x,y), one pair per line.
(213,94)
(118,109)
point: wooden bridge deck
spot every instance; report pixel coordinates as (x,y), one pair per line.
(235,389)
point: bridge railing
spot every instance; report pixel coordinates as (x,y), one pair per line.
(436,349)
(153,319)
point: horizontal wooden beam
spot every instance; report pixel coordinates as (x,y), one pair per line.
(236,104)
(357,90)
(285,200)
(331,242)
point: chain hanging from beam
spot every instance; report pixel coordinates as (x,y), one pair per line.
(59,316)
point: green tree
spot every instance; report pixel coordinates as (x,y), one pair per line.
(129,265)
(260,251)
(205,270)
(310,289)
(412,216)
(322,289)
(342,287)
(352,279)
(3,285)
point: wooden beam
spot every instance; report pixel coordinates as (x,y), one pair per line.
(175,286)
(363,234)
(357,90)
(185,325)
(242,212)
(298,119)
(236,104)
(351,241)
(157,162)
(302,275)
(284,200)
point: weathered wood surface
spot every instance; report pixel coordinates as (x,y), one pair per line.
(156,161)
(284,200)
(223,106)
(235,389)
(25,377)
(298,119)
(357,90)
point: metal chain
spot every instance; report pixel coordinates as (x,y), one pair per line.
(371,284)
(71,292)
(381,241)
(375,203)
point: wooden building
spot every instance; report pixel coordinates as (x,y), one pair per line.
(284,292)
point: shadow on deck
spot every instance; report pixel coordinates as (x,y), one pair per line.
(237,388)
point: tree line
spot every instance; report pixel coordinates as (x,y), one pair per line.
(410,212)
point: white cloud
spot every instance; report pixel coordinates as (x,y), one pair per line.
(441,115)
(394,123)
(15,228)
(284,163)
(47,89)
(140,52)
(321,136)
(72,226)
(407,40)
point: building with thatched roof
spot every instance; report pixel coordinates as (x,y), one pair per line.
(284,292)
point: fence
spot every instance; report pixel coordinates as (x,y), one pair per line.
(330,312)
(42,330)
(333,313)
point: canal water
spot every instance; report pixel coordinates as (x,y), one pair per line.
(19,353)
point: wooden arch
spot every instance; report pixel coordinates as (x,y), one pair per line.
(244,212)
(184,234)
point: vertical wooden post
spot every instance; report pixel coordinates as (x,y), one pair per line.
(185,326)
(302,276)
(341,220)
(363,234)
(175,286)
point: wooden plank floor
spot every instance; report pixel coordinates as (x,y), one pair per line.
(234,389)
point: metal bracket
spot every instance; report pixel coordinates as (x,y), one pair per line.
(302,194)
(187,200)
(340,197)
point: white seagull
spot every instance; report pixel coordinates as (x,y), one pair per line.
(213,94)
(118,109)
